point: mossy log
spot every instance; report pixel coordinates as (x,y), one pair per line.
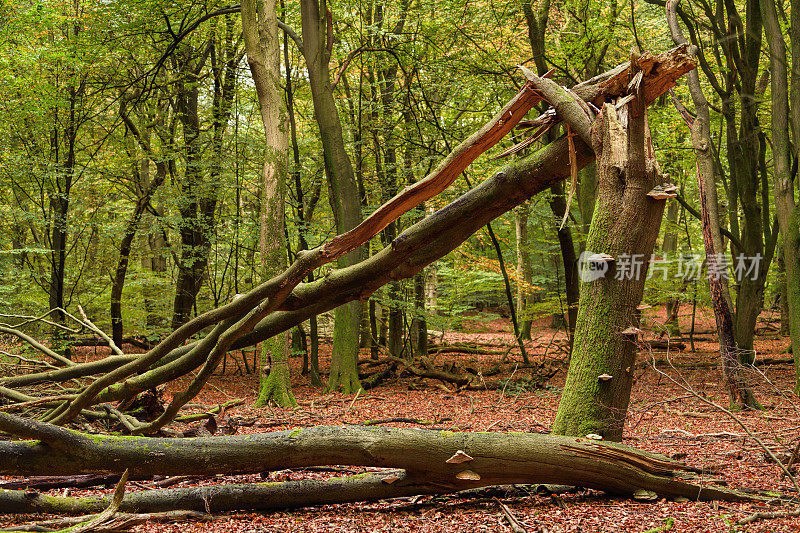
(433,462)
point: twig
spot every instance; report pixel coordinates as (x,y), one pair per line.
(25,359)
(736,419)
(358,393)
(123,520)
(34,403)
(36,344)
(721,434)
(792,459)
(95,523)
(768,516)
(668,523)
(208,411)
(41,318)
(405,420)
(515,525)
(130,423)
(91,326)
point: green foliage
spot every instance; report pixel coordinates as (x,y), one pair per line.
(406,97)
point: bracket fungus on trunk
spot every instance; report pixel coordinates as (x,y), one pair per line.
(664,191)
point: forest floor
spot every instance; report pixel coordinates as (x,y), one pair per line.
(668,415)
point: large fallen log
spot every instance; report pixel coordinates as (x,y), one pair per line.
(433,462)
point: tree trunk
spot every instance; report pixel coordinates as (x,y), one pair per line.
(787,210)
(343,190)
(193,230)
(670,246)
(558,205)
(586,196)
(305,210)
(625,226)
(419,326)
(284,301)
(156,261)
(59,208)
(262,43)
(373,329)
(739,393)
(521,215)
(783,294)
(745,144)
(149,188)
(434,462)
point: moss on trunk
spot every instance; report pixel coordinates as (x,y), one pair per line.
(624,225)
(344,370)
(275,384)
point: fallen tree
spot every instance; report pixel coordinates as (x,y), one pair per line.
(432,462)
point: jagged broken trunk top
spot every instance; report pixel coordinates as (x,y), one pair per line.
(620,242)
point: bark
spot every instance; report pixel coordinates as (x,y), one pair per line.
(343,189)
(537,28)
(198,201)
(262,43)
(194,221)
(737,46)
(744,148)
(521,215)
(419,322)
(60,199)
(154,259)
(419,327)
(586,196)
(783,294)
(425,456)
(739,394)
(787,210)
(373,329)
(385,143)
(305,211)
(626,221)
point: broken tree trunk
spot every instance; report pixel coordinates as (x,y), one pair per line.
(433,462)
(624,230)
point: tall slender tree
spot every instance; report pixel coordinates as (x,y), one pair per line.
(786,207)
(262,42)
(318,38)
